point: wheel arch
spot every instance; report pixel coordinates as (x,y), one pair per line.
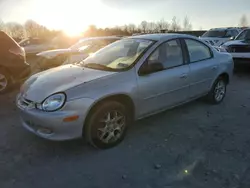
(225,76)
(121,98)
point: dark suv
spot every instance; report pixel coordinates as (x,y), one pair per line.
(13,66)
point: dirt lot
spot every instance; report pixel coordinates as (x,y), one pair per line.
(196,145)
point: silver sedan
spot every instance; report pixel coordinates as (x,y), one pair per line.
(130,79)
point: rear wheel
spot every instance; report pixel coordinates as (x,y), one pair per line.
(5,81)
(218,91)
(107,125)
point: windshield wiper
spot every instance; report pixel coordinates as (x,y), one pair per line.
(98,66)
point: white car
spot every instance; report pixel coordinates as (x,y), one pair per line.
(75,53)
(32,46)
(128,80)
(218,36)
(239,47)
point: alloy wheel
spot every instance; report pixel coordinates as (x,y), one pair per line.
(219,90)
(113,124)
(3,82)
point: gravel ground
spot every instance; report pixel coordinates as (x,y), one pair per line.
(196,145)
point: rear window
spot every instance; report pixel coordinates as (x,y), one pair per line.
(215,33)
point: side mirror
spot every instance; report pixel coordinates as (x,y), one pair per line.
(232,38)
(150,67)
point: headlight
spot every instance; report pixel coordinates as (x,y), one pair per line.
(224,48)
(53,102)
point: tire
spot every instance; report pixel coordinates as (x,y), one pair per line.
(5,81)
(97,132)
(213,96)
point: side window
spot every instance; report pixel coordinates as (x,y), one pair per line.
(197,51)
(229,33)
(169,54)
(26,43)
(242,35)
(235,33)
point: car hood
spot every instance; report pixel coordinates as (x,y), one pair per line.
(53,53)
(211,38)
(237,42)
(59,79)
(214,41)
(33,49)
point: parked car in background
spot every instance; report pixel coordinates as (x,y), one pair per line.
(75,53)
(128,80)
(240,47)
(33,46)
(218,36)
(13,66)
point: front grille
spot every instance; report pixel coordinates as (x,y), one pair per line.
(25,103)
(239,49)
(209,42)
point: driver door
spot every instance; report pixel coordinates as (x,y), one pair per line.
(167,87)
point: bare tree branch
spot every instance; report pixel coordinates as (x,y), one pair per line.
(175,26)
(243,21)
(143,26)
(187,26)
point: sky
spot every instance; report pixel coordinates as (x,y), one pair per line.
(77,15)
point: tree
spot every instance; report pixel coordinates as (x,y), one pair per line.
(162,25)
(33,29)
(143,26)
(243,21)
(91,31)
(15,30)
(131,28)
(152,27)
(175,26)
(1,25)
(187,26)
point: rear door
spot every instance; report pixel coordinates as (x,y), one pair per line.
(203,67)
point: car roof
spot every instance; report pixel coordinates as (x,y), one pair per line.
(246,29)
(100,38)
(223,28)
(161,36)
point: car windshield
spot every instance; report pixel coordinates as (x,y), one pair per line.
(24,42)
(117,56)
(81,44)
(83,48)
(215,33)
(244,35)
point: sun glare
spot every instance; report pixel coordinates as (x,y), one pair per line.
(74,16)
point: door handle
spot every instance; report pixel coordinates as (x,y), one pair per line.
(184,76)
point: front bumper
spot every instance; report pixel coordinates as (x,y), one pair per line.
(241,61)
(50,125)
(241,58)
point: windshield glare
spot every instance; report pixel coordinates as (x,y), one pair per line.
(80,44)
(214,33)
(119,55)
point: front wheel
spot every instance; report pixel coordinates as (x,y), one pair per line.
(107,125)
(218,91)
(5,81)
